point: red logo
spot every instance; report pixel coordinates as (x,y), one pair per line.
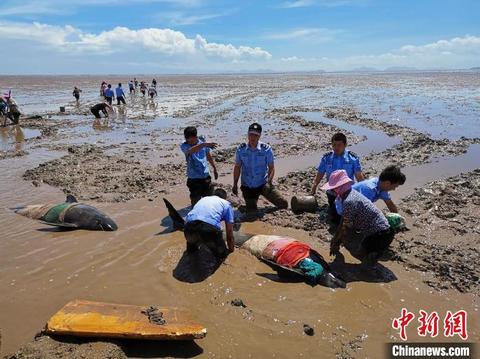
(453,324)
(456,324)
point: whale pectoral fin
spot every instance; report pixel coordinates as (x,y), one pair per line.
(177,219)
(71,199)
(63,224)
(282,270)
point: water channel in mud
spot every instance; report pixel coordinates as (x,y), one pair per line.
(143,263)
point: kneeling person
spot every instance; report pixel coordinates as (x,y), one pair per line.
(254,160)
(203,224)
(361,216)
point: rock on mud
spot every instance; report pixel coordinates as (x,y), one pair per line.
(237,302)
(308,330)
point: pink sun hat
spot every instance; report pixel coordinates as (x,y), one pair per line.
(337,178)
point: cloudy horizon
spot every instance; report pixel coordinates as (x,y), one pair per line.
(208,36)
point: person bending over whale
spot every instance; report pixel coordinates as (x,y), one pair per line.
(360,216)
(203,224)
(102,106)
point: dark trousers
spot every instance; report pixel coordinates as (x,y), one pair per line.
(332,211)
(109,100)
(199,187)
(378,242)
(121,99)
(251,195)
(199,232)
(370,248)
(96,113)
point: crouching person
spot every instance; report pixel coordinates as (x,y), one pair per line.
(364,230)
(254,161)
(203,224)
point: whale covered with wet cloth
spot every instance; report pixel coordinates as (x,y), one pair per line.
(69,214)
(291,258)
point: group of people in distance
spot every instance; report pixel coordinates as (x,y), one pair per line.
(361,227)
(109,95)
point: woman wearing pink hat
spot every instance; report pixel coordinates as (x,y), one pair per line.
(360,215)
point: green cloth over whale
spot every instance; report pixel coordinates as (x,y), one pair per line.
(396,221)
(312,270)
(53,214)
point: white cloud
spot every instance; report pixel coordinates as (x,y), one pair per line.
(121,39)
(311,33)
(459,52)
(296,4)
(324,3)
(178,18)
(465,45)
(58,7)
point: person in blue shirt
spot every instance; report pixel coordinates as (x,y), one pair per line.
(338,159)
(254,160)
(120,94)
(109,95)
(197,154)
(203,224)
(378,187)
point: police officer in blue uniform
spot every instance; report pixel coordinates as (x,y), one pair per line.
(197,154)
(338,159)
(254,160)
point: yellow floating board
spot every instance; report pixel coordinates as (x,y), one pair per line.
(107,320)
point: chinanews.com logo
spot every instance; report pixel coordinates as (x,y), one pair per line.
(432,325)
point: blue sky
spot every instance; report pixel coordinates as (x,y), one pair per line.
(178,36)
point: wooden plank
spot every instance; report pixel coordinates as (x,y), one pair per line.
(108,320)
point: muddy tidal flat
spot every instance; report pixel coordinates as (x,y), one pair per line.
(427,123)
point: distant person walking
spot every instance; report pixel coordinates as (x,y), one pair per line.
(143,88)
(152,91)
(103,87)
(154,83)
(120,95)
(131,87)
(109,95)
(76,93)
(100,107)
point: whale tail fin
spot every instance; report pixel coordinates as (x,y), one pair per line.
(71,199)
(177,219)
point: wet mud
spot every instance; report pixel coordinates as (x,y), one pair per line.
(126,164)
(89,173)
(446,226)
